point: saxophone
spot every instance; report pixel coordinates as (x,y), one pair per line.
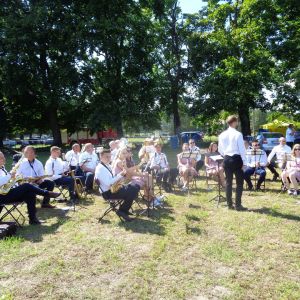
(5,188)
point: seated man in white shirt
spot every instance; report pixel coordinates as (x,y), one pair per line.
(159,164)
(72,156)
(280,151)
(194,148)
(32,167)
(56,167)
(88,161)
(255,164)
(104,177)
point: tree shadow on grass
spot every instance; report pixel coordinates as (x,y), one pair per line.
(274,213)
(151,224)
(35,233)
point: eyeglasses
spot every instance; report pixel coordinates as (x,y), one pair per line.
(256,145)
(192,143)
(297,149)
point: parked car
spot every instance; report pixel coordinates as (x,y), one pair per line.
(297,137)
(268,140)
(9,143)
(195,135)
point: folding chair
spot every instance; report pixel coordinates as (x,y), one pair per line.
(9,210)
(210,182)
(64,192)
(113,206)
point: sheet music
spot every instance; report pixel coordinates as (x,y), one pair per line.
(217,157)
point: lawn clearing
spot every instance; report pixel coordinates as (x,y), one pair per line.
(189,250)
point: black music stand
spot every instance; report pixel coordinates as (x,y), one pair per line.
(255,153)
(219,159)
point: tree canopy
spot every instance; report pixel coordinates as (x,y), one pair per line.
(127,64)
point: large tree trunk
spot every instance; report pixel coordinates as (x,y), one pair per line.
(53,119)
(51,107)
(119,125)
(244,117)
(176,116)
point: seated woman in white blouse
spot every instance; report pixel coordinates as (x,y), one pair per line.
(292,171)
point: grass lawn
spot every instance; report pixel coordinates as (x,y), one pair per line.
(189,250)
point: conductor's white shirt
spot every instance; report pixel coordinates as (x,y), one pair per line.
(231,143)
(105,177)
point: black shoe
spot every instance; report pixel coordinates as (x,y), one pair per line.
(241,208)
(35,221)
(230,207)
(275,176)
(250,187)
(47,205)
(53,194)
(123,215)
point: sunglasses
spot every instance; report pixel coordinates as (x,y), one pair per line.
(297,149)
(192,143)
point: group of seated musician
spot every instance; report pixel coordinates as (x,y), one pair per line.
(27,192)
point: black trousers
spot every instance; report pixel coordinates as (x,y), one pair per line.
(167,176)
(25,192)
(88,180)
(49,186)
(291,144)
(128,193)
(234,165)
(199,165)
(66,181)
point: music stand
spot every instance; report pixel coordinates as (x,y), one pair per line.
(255,153)
(219,159)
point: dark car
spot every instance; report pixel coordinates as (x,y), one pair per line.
(297,137)
(195,135)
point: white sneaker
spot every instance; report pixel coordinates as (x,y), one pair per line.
(290,192)
(160,198)
(184,189)
(295,193)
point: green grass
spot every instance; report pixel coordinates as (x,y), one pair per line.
(189,250)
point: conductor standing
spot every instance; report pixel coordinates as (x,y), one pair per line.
(232,148)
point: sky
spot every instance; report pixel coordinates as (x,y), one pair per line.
(191,6)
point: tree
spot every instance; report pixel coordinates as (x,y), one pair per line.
(121,61)
(172,56)
(40,50)
(231,57)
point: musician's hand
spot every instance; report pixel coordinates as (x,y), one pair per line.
(123,173)
(39,181)
(13,174)
(257,164)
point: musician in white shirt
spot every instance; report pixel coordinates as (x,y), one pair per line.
(88,161)
(105,179)
(194,148)
(113,149)
(232,148)
(159,164)
(72,156)
(56,167)
(256,164)
(32,167)
(280,151)
(24,192)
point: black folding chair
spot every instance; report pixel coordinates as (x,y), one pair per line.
(12,211)
(114,205)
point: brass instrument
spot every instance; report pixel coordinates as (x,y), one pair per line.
(120,183)
(78,186)
(5,188)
